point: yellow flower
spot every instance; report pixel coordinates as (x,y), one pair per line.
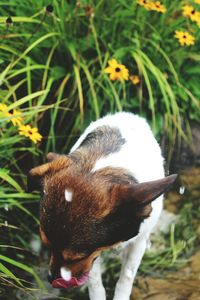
(157,6)
(13,114)
(184,38)
(3,106)
(188,11)
(145,3)
(150,5)
(197,1)
(30,132)
(196,17)
(116,70)
(135,79)
(16,119)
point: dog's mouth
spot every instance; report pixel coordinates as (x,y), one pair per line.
(61,283)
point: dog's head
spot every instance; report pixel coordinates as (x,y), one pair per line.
(83,213)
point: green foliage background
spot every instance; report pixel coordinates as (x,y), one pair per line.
(51,66)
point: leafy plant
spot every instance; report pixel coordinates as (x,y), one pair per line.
(53,57)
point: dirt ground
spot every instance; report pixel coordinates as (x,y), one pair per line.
(181,285)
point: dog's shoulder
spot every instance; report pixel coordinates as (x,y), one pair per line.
(130,142)
(128,125)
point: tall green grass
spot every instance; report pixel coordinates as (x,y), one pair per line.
(75,42)
(52,71)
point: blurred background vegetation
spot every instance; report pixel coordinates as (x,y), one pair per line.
(52,60)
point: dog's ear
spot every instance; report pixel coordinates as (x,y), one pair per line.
(35,175)
(132,206)
(56,163)
(51,156)
(142,193)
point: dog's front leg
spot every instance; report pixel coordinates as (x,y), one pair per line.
(95,286)
(132,256)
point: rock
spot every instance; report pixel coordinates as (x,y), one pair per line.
(195,264)
(166,220)
(190,178)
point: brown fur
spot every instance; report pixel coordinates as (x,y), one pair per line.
(107,205)
(92,201)
(78,263)
(99,143)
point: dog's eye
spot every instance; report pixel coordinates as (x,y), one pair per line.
(73,261)
(94,258)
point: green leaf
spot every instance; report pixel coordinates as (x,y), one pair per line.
(6,177)
(23,267)
(9,274)
(58,72)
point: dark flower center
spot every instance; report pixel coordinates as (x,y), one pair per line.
(30,132)
(49,8)
(117,69)
(9,20)
(193,12)
(11,111)
(184,36)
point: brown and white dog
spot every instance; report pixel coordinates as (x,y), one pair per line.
(107,191)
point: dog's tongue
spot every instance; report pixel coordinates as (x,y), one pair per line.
(65,284)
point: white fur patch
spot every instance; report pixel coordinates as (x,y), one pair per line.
(65,273)
(141,156)
(129,274)
(181,190)
(68,195)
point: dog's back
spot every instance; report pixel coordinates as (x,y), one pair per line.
(125,140)
(136,148)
